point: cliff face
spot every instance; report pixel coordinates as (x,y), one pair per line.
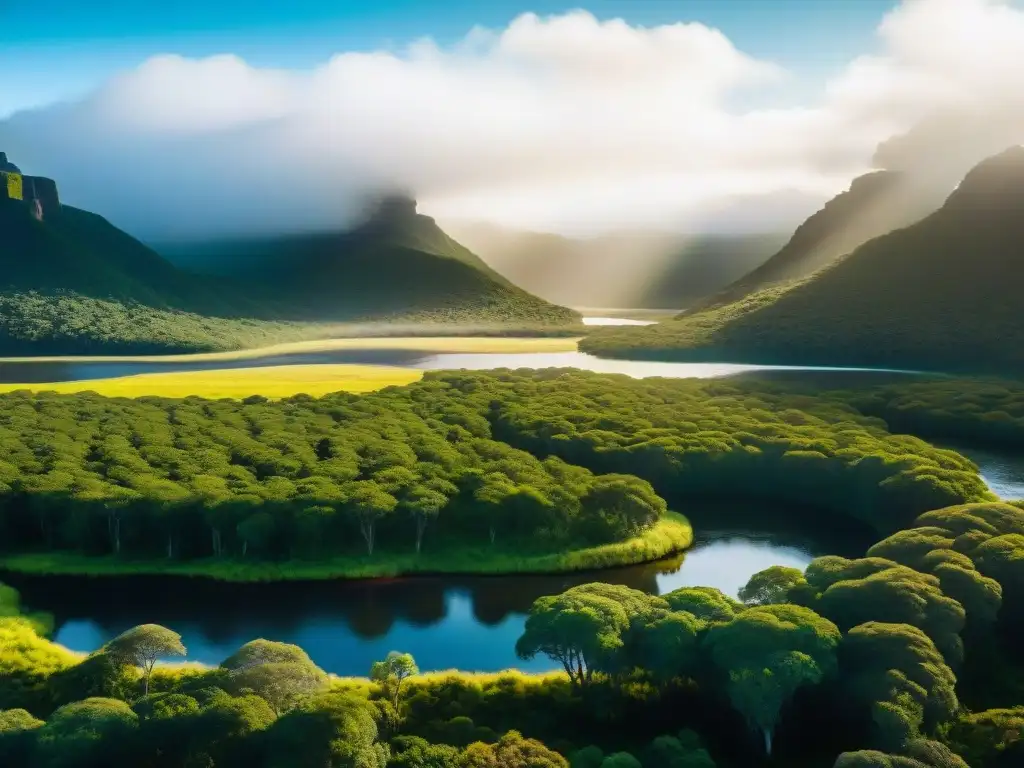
(36,191)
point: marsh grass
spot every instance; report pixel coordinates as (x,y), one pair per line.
(270,381)
(670,535)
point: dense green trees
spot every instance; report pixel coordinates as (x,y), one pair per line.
(869,647)
(460,457)
(299,479)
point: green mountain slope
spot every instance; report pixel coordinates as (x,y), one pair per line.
(875,203)
(940,294)
(73,284)
(398,265)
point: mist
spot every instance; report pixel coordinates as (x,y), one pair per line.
(564,124)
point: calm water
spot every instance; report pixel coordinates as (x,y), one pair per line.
(616,321)
(1002,472)
(468,623)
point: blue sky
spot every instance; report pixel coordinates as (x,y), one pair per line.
(63,48)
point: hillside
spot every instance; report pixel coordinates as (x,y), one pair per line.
(397,265)
(73,283)
(875,203)
(619,269)
(940,294)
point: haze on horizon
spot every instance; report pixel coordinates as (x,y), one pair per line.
(565,124)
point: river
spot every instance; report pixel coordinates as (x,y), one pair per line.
(470,623)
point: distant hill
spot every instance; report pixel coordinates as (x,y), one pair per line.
(875,203)
(72,283)
(398,264)
(941,294)
(654,270)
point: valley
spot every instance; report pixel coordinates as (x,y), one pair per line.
(582,392)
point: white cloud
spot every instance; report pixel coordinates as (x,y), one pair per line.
(551,123)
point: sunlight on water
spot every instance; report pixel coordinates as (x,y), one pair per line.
(615,321)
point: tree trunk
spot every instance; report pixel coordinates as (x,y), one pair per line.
(117,535)
(366,528)
(492,532)
(421,526)
(767,740)
(170,547)
(245,546)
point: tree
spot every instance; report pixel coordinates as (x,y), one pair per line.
(874,589)
(86,733)
(143,646)
(332,729)
(774,585)
(899,673)
(766,653)
(279,673)
(621,760)
(414,752)
(583,628)
(423,505)
(369,503)
(391,673)
(671,752)
(512,751)
(706,603)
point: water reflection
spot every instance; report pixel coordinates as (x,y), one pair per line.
(469,623)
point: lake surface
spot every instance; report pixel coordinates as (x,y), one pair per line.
(616,321)
(469,623)
(29,372)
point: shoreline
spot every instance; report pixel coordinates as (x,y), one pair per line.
(436,344)
(671,535)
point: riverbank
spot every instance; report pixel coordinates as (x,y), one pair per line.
(669,536)
(425,344)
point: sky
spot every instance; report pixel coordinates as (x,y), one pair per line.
(197,118)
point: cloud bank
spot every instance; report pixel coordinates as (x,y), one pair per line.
(566,124)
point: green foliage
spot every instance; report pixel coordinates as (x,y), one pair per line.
(766,653)
(392,672)
(294,479)
(143,646)
(280,673)
(75,284)
(989,738)
(83,733)
(333,729)
(899,672)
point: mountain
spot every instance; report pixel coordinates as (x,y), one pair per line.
(655,270)
(397,264)
(875,203)
(941,294)
(73,283)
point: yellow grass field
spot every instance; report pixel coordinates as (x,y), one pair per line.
(271,381)
(438,344)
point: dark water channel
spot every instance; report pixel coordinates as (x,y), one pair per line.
(465,622)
